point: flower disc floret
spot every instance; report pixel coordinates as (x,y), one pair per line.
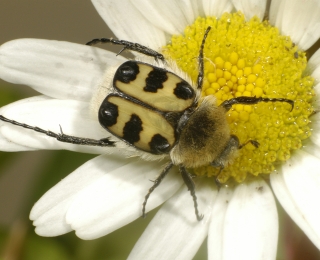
(250,58)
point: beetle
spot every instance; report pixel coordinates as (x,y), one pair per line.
(163,115)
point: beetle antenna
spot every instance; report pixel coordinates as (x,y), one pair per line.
(200,60)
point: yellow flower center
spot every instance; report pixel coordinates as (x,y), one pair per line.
(250,58)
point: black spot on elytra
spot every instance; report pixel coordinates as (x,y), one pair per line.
(108,114)
(132,129)
(155,80)
(159,144)
(127,72)
(183,91)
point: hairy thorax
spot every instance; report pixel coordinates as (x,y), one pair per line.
(204,135)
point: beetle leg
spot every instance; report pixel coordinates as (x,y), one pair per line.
(63,137)
(155,185)
(187,178)
(129,46)
(227,104)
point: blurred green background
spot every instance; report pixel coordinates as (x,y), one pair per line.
(25,176)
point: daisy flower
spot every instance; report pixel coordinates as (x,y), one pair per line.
(244,55)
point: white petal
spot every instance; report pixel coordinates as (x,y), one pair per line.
(197,7)
(49,114)
(171,16)
(316,75)
(298,19)
(216,228)
(57,69)
(276,12)
(314,70)
(127,23)
(52,222)
(175,233)
(22,102)
(190,9)
(311,148)
(49,213)
(297,188)
(216,7)
(250,228)
(317,92)
(251,8)
(315,137)
(314,65)
(315,120)
(116,199)
(7,145)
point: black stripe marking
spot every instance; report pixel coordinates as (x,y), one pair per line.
(183,91)
(155,80)
(159,144)
(127,72)
(132,129)
(108,114)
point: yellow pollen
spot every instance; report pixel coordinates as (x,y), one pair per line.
(250,58)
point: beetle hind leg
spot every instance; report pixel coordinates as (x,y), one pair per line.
(61,137)
(156,183)
(232,146)
(187,178)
